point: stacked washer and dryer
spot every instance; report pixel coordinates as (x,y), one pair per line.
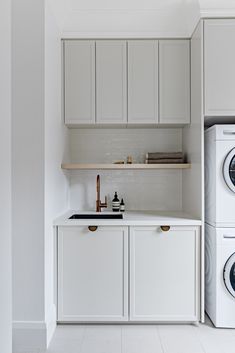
(220,224)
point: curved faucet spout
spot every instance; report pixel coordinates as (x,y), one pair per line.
(99,204)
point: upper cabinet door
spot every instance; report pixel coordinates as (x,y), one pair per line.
(111,95)
(174,72)
(142,81)
(219,67)
(79,82)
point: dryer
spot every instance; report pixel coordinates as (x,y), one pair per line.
(220,275)
(220,176)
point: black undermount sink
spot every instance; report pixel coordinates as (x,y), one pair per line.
(96,216)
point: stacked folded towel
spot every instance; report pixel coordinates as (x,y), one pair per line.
(164,157)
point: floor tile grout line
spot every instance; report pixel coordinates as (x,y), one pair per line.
(159,337)
(121,326)
(83,338)
(195,329)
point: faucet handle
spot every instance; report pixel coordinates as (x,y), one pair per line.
(105,203)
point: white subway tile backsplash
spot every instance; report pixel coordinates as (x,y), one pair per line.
(108,145)
(140,189)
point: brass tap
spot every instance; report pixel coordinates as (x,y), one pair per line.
(99,204)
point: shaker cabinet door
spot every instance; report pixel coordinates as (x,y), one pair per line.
(111,95)
(92,274)
(143,81)
(219,68)
(79,82)
(174,81)
(164,274)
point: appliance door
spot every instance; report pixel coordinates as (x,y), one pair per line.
(229,275)
(229,170)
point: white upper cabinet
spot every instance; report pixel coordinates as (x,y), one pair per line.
(79,82)
(219,68)
(142,81)
(174,81)
(126,82)
(111,94)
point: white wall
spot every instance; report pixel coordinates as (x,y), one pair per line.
(56,184)
(217,8)
(136,18)
(132,18)
(193,134)
(39,186)
(5,177)
(28,173)
(145,190)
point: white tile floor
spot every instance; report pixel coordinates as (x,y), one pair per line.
(142,339)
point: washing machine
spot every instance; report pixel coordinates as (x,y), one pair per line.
(220,176)
(220,275)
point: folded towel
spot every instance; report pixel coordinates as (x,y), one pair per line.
(164,161)
(164,155)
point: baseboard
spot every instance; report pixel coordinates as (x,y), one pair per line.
(33,336)
(29,336)
(51,324)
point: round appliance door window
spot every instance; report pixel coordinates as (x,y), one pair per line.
(229,170)
(229,275)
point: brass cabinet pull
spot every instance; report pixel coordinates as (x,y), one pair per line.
(165,228)
(92,228)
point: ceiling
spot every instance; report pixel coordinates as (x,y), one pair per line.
(135,18)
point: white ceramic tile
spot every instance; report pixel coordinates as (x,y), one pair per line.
(145,190)
(65,345)
(179,339)
(69,332)
(108,145)
(142,190)
(103,331)
(140,339)
(139,330)
(215,340)
(203,338)
(102,339)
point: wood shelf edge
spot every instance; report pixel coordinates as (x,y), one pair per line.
(140,166)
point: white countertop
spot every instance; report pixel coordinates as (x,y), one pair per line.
(131,218)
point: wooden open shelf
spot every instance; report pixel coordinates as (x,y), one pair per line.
(81,166)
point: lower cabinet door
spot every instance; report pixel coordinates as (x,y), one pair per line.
(92,274)
(164,274)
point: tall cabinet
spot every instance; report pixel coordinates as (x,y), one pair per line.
(219,59)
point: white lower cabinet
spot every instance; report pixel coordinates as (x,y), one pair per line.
(161,282)
(92,274)
(164,274)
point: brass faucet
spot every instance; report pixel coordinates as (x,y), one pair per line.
(99,204)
